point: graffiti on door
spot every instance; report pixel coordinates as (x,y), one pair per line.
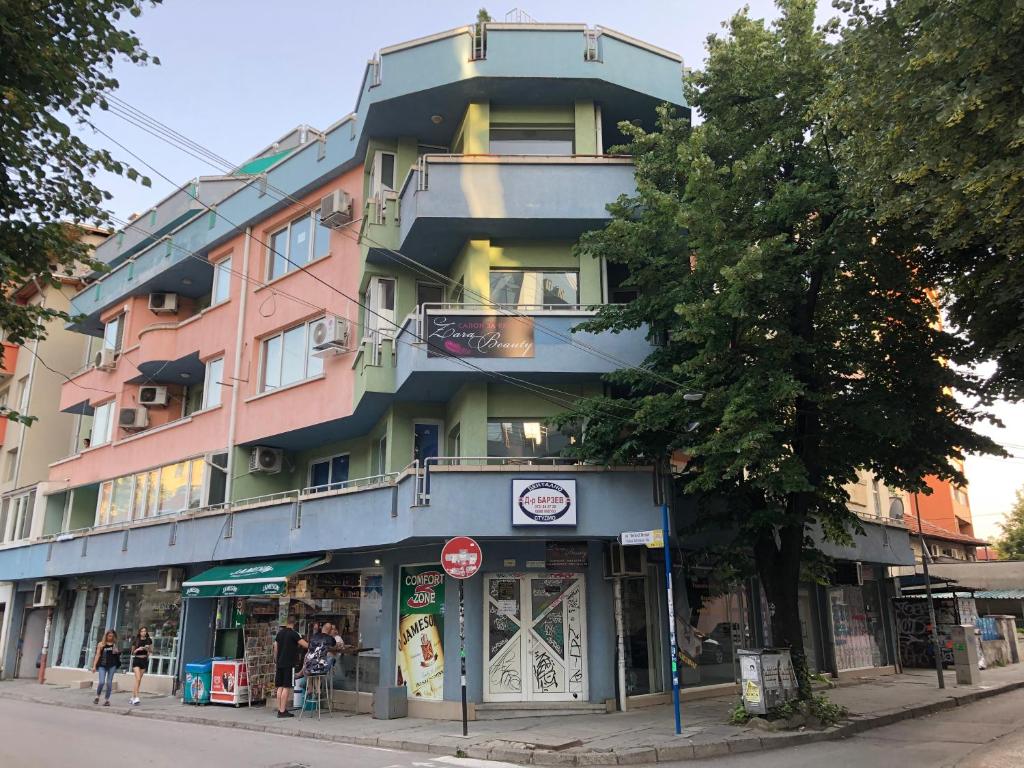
(913,630)
(574,630)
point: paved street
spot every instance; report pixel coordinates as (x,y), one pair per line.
(41,736)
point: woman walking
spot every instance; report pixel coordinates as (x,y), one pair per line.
(106,662)
(142,643)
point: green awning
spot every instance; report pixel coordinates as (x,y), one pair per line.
(246,579)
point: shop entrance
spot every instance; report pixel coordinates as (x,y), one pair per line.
(31,642)
(535,637)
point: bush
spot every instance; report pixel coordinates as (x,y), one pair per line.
(738,715)
(819,707)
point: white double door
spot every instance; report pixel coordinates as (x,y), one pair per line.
(535,632)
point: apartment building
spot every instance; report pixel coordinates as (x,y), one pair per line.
(310,373)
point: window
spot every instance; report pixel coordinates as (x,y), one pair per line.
(380,303)
(455,441)
(113,333)
(144,501)
(288,357)
(23,395)
(221,281)
(329,474)
(3,401)
(174,487)
(27,504)
(102,424)
(523,439)
(534,289)
(293,246)
(382,456)
(12,464)
(5,505)
(383,173)
(164,490)
(876,496)
(142,605)
(531,141)
(212,384)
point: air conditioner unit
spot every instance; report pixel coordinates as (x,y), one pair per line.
(151,396)
(268,460)
(45,593)
(163,303)
(133,418)
(336,209)
(847,572)
(105,359)
(168,580)
(624,561)
(332,333)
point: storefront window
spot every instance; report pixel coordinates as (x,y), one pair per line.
(857,626)
(642,635)
(524,439)
(78,625)
(710,628)
(142,605)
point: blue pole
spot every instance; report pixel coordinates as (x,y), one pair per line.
(671,617)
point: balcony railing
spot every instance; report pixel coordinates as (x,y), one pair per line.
(435,463)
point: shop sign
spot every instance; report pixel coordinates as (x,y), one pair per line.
(420,631)
(565,555)
(654,539)
(496,336)
(544,502)
(461,557)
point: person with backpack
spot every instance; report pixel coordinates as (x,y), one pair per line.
(106,662)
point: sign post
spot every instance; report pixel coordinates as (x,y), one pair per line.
(461,558)
(671,618)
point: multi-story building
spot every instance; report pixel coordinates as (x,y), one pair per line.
(312,372)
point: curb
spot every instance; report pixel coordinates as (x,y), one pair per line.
(484,748)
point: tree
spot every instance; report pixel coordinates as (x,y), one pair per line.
(56,59)
(929,100)
(806,327)
(1011,544)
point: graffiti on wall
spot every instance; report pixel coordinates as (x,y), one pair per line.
(913,631)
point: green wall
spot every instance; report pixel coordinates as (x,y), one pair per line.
(468,409)
(248,484)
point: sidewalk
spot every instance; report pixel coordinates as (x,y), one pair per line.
(639,737)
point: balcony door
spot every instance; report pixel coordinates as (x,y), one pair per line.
(535,632)
(380,303)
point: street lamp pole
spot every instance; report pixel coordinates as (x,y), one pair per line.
(928,589)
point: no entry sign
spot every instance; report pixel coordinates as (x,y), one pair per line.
(461,557)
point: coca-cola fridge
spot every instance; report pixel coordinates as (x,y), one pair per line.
(229,683)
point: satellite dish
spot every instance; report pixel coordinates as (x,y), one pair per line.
(896,509)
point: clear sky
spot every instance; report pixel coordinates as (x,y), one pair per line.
(237,74)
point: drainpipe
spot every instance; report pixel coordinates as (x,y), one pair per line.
(24,428)
(46,646)
(237,372)
(620,644)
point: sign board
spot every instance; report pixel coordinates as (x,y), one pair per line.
(652,539)
(565,555)
(420,631)
(479,336)
(461,557)
(544,502)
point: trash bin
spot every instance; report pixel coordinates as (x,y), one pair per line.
(767,678)
(198,675)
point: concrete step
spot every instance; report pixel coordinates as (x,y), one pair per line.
(509,710)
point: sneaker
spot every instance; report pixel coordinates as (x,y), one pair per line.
(285,714)
(135,701)
(106,703)
(96,700)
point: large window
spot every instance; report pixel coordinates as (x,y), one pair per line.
(524,439)
(329,474)
(221,281)
(297,244)
(529,288)
(113,333)
(537,140)
(288,357)
(16,514)
(142,605)
(213,382)
(102,424)
(161,491)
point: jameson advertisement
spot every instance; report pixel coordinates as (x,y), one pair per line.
(479,336)
(420,629)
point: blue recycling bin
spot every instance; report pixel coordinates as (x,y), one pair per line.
(198,676)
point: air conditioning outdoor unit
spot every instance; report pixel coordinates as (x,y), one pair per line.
(105,359)
(267,460)
(163,303)
(336,209)
(332,333)
(168,580)
(151,396)
(624,561)
(133,418)
(45,593)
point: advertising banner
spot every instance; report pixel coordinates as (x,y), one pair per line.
(420,631)
(479,336)
(544,502)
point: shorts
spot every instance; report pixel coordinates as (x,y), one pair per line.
(140,662)
(283,677)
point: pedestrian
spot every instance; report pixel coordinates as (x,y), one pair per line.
(286,658)
(142,644)
(106,662)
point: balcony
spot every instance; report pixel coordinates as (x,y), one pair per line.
(536,342)
(448,199)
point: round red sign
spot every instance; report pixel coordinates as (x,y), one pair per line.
(461,557)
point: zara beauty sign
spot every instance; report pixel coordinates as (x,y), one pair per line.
(544,502)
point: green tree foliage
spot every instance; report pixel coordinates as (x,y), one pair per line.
(930,103)
(1011,544)
(806,327)
(56,58)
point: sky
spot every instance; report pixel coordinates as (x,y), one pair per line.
(237,74)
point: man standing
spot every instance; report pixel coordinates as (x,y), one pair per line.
(286,658)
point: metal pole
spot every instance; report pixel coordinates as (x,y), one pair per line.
(671,618)
(46,646)
(620,643)
(928,590)
(462,654)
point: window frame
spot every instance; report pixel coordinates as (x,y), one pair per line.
(221,278)
(331,483)
(291,264)
(541,421)
(109,438)
(541,272)
(119,336)
(377,186)
(208,384)
(307,347)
